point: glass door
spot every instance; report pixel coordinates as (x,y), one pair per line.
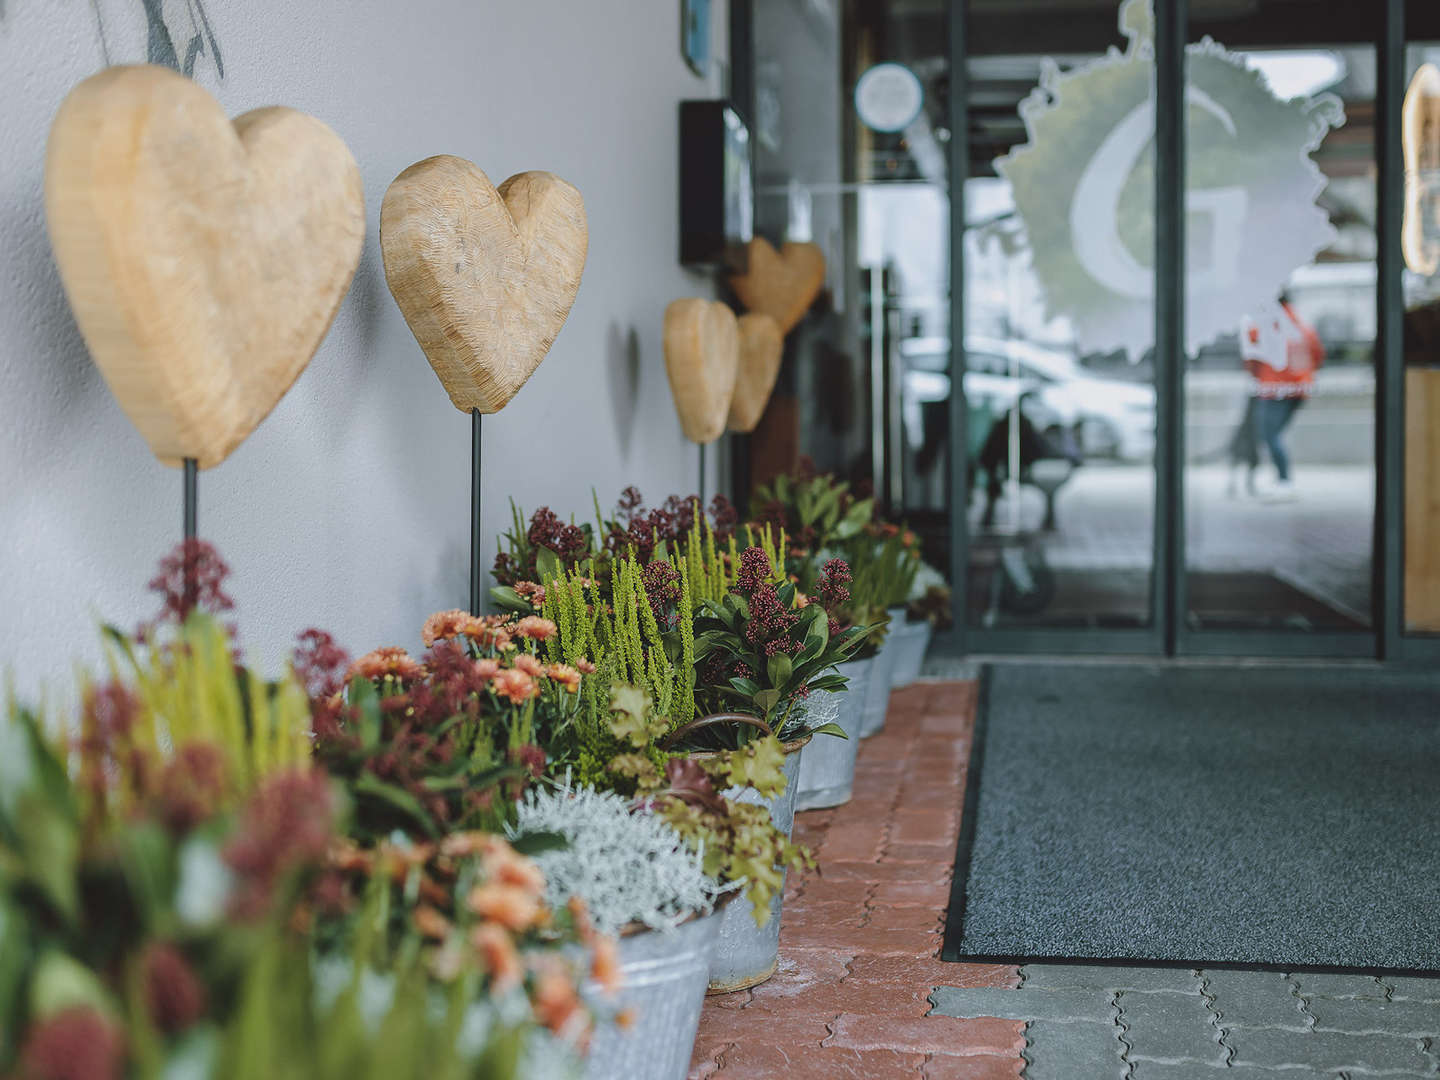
(1058,341)
(1279,478)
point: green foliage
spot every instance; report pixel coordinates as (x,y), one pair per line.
(771,654)
(190,690)
(815,512)
(615,628)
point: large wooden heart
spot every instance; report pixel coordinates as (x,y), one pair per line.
(782,284)
(702,355)
(761,346)
(485,276)
(204,260)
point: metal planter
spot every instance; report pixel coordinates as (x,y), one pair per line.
(912,639)
(665,976)
(746,954)
(827,767)
(877,697)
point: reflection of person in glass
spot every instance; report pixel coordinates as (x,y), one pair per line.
(1281,354)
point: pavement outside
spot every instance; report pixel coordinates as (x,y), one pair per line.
(860,991)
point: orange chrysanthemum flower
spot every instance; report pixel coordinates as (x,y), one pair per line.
(391,662)
(605,964)
(514,685)
(585,667)
(566,676)
(447,624)
(511,906)
(530,665)
(533,626)
(499,955)
(555,1001)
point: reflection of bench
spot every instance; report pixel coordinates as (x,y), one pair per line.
(1043,465)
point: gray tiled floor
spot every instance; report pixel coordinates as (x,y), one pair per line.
(1135,1023)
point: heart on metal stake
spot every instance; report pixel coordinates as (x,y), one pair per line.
(484,276)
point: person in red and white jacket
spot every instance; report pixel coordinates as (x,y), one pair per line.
(1282,354)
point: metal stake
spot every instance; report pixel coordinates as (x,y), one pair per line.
(475,512)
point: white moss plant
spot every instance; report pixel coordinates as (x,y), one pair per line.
(628,867)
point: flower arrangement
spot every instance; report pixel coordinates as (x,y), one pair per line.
(929,599)
(816,511)
(764,648)
(182,891)
(425,745)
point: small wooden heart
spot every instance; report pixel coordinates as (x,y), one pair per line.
(702,355)
(204,259)
(484,276)
(761,346)
(782,284)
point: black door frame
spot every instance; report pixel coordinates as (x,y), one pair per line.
(1167,635)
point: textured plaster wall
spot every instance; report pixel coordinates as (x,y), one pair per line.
(348,508)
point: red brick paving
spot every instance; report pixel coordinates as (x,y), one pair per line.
(860,937)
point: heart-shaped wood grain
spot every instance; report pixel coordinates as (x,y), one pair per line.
(702,355)
(782,284)
(761,346)
(204,259)
(485,276)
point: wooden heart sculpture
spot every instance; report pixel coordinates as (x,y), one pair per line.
(1420,125)
(761,345)
(782,284)
(484,276)
(702,355)
(204,259)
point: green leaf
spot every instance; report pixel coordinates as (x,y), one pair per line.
(50,844)
(61,982)
(779,667)
(507,599)
(539,842)
(748,687)
(397,798)
(767,700)
(548,565)
(829,729)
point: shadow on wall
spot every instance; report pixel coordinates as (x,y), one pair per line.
(622,362)
(177,32)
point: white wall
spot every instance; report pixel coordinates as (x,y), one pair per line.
(348,508)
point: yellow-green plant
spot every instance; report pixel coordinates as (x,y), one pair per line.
(191,690)
(615,628)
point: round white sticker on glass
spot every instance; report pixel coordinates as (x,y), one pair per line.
(888,97)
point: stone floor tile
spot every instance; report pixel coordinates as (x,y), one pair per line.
(837,891)
(757,1058)
(1074,1051)
(798,971)
(1274,1048)
(927,894)
(931,972)
(1107,977)
(1414,988)
(1326,985)
(860,842)
(928,1034)
(927,854)
(938,826)
(1417,1019)
(906,918)
(1169,1027)
(1159,1070)
(878,940)
(856,870)
(1062,1006)
(1255,999)
(983,1067)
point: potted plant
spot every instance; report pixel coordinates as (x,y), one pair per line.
(927,609)
(640,883)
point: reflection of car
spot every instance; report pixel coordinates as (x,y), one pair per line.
(1109,417)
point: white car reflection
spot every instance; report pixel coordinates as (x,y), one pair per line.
(1109,417)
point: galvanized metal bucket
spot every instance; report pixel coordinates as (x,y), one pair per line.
(746,954)
(877,697)
(912,639)
(827,767)
(664,989)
